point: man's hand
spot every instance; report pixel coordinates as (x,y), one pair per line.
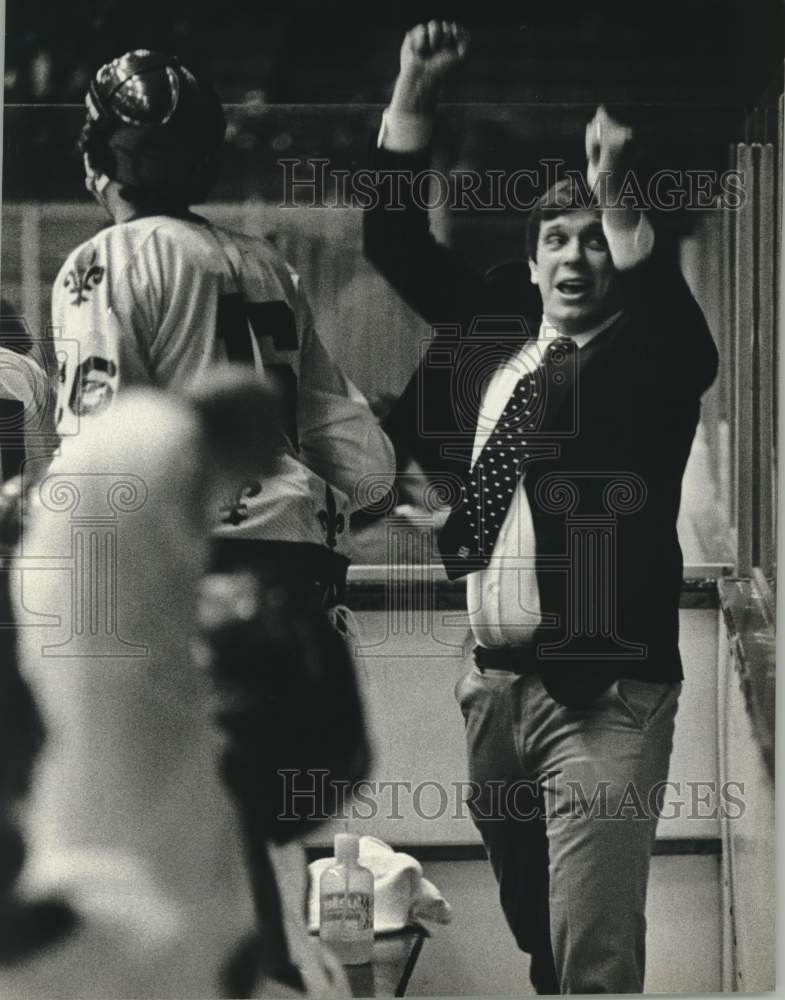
(608,148)
(430,52)
(609,155)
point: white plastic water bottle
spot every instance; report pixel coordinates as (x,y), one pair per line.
(346,904)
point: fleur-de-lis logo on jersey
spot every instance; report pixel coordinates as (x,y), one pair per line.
(331,521)
(83,276)
(235,511)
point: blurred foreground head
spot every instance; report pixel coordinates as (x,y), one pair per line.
(129,820)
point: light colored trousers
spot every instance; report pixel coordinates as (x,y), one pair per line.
(567,800)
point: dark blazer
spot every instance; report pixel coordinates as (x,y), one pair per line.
(614,433)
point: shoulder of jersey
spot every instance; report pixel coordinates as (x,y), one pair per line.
(110,249)
(265,252)
(103,256)
(127,238)
(86,265)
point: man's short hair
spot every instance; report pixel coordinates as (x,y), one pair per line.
(564,196)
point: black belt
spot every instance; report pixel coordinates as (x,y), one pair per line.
(516,659)
(570,684)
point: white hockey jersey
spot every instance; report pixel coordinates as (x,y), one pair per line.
(158,300)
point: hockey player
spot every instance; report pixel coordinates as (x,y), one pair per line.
(157,299)
(161,295)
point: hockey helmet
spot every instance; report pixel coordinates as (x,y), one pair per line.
(154,127)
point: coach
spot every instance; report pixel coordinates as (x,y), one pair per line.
(567,431)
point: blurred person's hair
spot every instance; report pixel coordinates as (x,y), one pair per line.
(13,331)
(25,925)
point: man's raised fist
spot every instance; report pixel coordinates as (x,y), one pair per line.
(608,145)
(430,51)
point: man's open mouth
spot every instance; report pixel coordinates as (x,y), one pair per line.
(573,287)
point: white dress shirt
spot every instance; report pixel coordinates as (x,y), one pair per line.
(503,598)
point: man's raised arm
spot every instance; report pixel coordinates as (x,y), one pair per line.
(649,272)
(608,158)
(397,238)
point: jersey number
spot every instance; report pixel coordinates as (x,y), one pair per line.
(93,388)
(237,321)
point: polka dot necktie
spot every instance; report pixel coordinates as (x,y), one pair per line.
(473,527)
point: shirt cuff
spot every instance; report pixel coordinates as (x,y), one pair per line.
(629,247)
(404,132)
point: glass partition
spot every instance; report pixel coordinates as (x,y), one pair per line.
(295,175)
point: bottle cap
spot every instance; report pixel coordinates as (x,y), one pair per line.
(347,848)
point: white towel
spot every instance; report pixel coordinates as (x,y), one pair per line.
(401,895)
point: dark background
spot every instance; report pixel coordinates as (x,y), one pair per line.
(684,74)
(691,51)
